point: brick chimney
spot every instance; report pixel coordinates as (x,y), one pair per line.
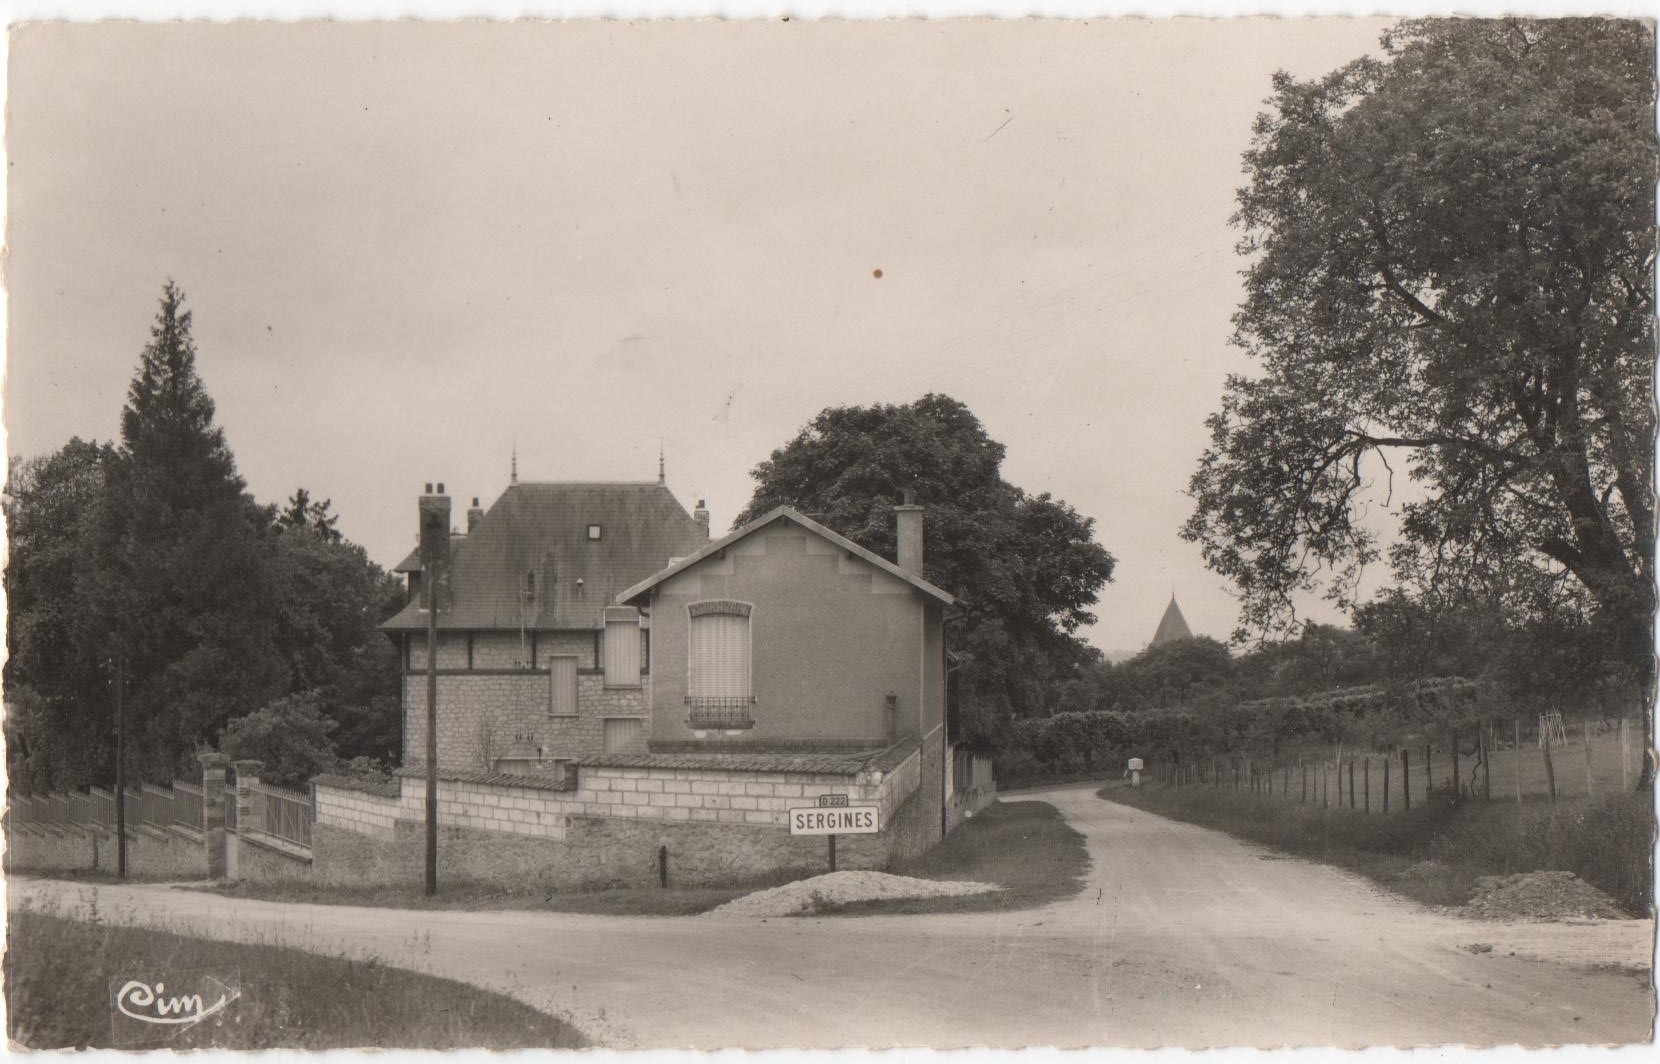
(475,514)
(701,516)
(435,543)
(909,521)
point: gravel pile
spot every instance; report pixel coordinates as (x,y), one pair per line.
(807,895)
(1541,896)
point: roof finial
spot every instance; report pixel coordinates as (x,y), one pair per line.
(513,476)
(662,468)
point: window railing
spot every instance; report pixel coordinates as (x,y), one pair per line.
(725,713)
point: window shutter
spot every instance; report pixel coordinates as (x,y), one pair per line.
(562,696)
(621,646)
(720,656)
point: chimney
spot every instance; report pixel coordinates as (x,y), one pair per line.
(475,514)
(701,516)
(909,520)
(435,543)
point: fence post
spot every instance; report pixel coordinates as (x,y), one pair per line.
(1386,761)
(1351,783)
(1550,768)
(1590,787)
(1517,722)
(1366,783)
(213,811)
(247,778)
(1406,779)
(1325,785)
(1429,774)
(1302,770)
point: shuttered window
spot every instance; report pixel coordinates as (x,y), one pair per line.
(625,735)
(562,681)
(621,646)
(718,681)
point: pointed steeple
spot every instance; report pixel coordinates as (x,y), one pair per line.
(513,476)
(662,467)
(1173,626)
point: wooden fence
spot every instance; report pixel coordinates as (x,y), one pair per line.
(1492,760)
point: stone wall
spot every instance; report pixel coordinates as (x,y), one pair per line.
(355,810)
(72,850)
(151,854)
(915,827)
(514,811)
(263,860)
(492,711)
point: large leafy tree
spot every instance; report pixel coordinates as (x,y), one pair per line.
(1025,567)
(1451,260)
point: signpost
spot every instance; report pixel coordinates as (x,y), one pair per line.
(835,815)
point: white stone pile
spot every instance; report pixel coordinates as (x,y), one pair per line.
(807,896)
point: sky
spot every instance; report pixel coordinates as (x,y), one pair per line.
(411,248)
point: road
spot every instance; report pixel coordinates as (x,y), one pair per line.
(1182,937)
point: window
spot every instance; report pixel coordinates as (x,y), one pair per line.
(718,693)
(562,685)
(620,648)
(595,531)
(625,735)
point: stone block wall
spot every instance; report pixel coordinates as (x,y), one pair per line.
(264,861)
(915,826)
(478,715)
(513,811)
(354,810)
(760,799)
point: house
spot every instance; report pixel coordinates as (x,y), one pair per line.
(622,701)
(530,676)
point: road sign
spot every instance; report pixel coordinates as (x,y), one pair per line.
(832,801)
(851,820)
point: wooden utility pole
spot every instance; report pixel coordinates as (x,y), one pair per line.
(1517,722)
(1457,773)
(435,547)
(1406,779)
(120,769)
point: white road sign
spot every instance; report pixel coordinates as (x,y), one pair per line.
(848,820)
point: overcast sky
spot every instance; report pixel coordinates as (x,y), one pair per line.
(410,246)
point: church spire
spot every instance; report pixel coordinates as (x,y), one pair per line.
(1173,626)
(513,475)
(662,466)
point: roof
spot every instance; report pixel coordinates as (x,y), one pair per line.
(1173,626)
(542,529)
(825,764)
(786,513)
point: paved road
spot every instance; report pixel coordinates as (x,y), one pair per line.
(1183,936)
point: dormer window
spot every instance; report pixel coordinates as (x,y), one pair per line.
(595,532)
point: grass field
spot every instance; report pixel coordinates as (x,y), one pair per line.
(59,991)
(1607,840)
(1024,846)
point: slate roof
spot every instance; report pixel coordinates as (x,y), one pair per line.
(1172,626)
(787,513)
(824,764)
(543,529)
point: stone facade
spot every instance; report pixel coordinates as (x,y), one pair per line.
(495,704)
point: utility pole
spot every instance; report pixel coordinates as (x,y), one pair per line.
(435,547)
(120,770)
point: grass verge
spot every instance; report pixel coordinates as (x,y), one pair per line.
(611,901)
(58,975)
(1435,853)
(1026,847)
